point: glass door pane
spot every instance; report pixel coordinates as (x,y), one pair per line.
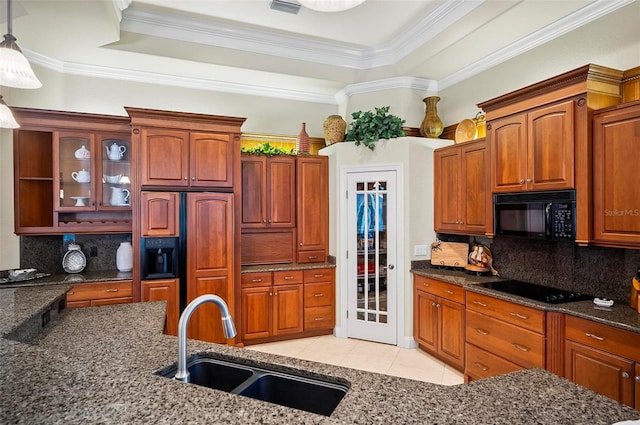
(116,172)
(371,234)
(75,172)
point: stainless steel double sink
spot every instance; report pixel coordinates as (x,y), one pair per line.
(311,394)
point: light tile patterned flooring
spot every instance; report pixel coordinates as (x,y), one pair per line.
(365,355)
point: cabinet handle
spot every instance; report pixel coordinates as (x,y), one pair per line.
(312,257)
(449,291)
(318,295)
(625,375)
(318,275)
(288,277)
(481,331)
(425,284)
(481,304)
(111,290)
(519,316)
(520,347)
(70,293)
(256,280)
(599,338)
(480,366)
(317,319)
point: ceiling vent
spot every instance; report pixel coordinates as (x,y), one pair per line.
(287,6)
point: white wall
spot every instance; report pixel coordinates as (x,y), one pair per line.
(415,154)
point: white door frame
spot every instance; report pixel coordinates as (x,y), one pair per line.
(343,278)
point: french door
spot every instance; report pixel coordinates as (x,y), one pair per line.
(371,258)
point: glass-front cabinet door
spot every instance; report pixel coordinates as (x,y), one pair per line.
(74,159)
(115,172)
(93,172)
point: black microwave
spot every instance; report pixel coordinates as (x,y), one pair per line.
(538,215)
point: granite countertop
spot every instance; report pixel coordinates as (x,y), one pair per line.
(287,266)
(71,278)
(620,315)
(96,364)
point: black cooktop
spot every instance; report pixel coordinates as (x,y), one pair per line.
(538,292)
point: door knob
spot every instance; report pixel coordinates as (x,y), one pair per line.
(391,266)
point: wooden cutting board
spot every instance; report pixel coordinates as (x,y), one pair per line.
(449,254)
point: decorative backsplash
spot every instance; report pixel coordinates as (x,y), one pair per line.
(44,253)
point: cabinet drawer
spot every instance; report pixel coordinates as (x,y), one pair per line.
(98,291)
(483,364)
(440,289)
(318,275)
(319,318)
(521,346)
(603,337)
(519,315)
(287,277)
(312,256)
(256,279)
(318,294)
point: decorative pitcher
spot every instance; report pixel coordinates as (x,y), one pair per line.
(115,152)
(119,196)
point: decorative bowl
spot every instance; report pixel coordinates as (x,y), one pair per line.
(112,179)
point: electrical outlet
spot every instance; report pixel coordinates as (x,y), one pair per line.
(93,251)
(419,250)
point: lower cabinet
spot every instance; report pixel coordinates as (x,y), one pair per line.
(103,293)
(287,304)
(439,319)
(603,359)
(501,337)
(164,290)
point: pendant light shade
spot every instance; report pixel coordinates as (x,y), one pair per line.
(6,117)
(330,5)
(15,70)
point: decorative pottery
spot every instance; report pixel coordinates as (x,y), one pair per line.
(431,124)
(334,129)
(124,257)
(119,196)
(302,142)
(115,152)
(82,153)
(74,260)
(82,176)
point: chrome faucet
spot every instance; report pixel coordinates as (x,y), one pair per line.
(227,327)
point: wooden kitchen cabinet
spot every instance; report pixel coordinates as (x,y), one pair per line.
(50,148)
(312,199)
(184,150)
(616,202)
(271,304)
(319,299)
(104,293)
(503,336)
(268,191)
(160,214)
(164,290)
(533,151)
(462,199)
(438,323)
(602,358)
(210,260)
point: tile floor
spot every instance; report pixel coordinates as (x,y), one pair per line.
(365,355)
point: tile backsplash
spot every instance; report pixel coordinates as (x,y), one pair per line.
(45,253)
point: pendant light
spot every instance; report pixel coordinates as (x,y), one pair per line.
(6,117)
(15,70)
(330,5)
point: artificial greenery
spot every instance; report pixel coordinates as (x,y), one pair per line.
(268,150)
(367,127)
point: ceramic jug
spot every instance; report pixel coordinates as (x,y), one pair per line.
(115,152)
(119,196)
(82,176)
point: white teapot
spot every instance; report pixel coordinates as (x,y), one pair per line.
(115,152)
(119,196)
(82,176)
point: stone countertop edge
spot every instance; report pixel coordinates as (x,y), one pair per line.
(286,267)
(620,315)
(72,278)
(96,366)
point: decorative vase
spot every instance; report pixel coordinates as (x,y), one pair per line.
(334,129)
(431,124)
(302,142)
(124,257)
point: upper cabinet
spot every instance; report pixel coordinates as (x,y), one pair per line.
(533,150)
(65,179)
(616,204)
(184,150)
(462,199)
(268,191)
(312,194)
(539,137)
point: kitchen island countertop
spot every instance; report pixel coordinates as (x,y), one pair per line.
(95,365)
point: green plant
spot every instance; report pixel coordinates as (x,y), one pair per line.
(268,150)
(367,127)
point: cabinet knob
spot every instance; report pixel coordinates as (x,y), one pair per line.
(269,221)
(529,180)
(186,178)
(638,379)
(193,178)
(521,181)
(433,304)
(300,244)
(264,221)
(625,375)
